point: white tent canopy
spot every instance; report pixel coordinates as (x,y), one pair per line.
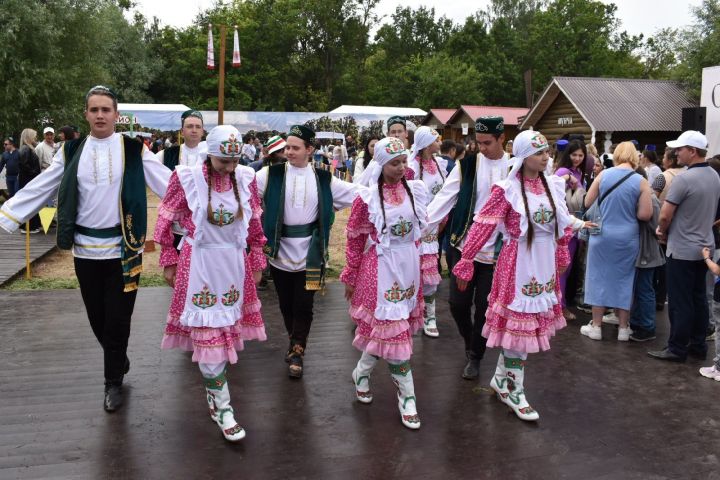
(282,121)
(153,115)
(331,135)
(379,111)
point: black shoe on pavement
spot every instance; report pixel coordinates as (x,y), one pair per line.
(113,397)
(472,367)
(638,335)
(698,354)
(295,369)
(666,354)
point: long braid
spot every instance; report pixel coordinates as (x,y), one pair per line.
(530,229)
(437,165)
(381,182)
(412,199)
(421,165)
(552,201)
(208,166)
(239,213)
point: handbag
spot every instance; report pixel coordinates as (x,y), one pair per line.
(593,213)
(574,199)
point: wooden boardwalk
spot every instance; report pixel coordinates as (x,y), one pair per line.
(12,251)
(607,410)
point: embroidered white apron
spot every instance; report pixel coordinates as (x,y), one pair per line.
(535,268)
(398,263)
(217,263)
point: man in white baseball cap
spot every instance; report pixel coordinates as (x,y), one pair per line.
(686,220)
(46,149)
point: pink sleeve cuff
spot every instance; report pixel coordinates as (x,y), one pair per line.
(168,256)
(349,276)
(257,259)
(464,269)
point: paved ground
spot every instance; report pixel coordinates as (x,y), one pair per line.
(607,410)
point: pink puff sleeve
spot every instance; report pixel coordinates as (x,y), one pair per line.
(486,221)
(358,229)
(256,236)
(562,253)
(173,208)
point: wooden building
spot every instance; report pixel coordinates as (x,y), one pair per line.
(438,119)
(609,110)
(462,123)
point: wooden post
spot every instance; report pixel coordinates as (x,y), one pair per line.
(28,273)
(221,79)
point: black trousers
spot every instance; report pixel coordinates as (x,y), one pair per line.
(296,303)
(687,306)
(477,292)
(109,310)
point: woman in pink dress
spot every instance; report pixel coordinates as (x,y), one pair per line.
(383,281)
(215,306)
(432,172)
(524,307)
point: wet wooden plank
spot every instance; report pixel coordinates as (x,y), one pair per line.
(12,251)
(607,410)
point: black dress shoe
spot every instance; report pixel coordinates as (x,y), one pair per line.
(127,366)
(295,369)
(472,367)
(113,397)
(666,354)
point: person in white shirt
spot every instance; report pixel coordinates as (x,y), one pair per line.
(100,182)
(466,189)
(191,152)
(46,149)
(299,201)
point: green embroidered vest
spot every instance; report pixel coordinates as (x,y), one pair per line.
(274,228)
(464,211)
(133,207)
(171,157)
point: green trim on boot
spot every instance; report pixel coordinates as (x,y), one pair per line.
(216,383)
(516,363)
(400,369)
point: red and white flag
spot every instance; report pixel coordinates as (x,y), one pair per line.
(236,50)
(210,50)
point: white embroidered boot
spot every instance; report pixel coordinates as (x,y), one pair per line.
(499,379)
(430,322)
(361,377)
(515,399)
(218,396)
(403,379)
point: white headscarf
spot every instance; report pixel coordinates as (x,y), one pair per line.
(424,136)
(224,141)
(527,143)
(385,150)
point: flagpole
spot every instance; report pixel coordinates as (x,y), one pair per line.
(221,80)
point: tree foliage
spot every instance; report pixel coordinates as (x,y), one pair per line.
(313,55)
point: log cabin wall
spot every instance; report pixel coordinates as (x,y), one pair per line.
(553,127)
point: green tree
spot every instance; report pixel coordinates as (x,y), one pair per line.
(699,46)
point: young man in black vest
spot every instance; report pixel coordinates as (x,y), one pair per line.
(190,152)
(102,216)
(298,206)
(464,192)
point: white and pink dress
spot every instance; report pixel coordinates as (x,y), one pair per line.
(215,307)
(433,175)
(387,304)
(524,306)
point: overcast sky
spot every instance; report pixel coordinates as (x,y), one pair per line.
(638,16)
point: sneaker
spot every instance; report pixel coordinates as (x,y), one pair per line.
(611,319)
(642,336)
(624,334)
(22,230)
(711,337)
(591,331)
(35,230)
(711,372)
